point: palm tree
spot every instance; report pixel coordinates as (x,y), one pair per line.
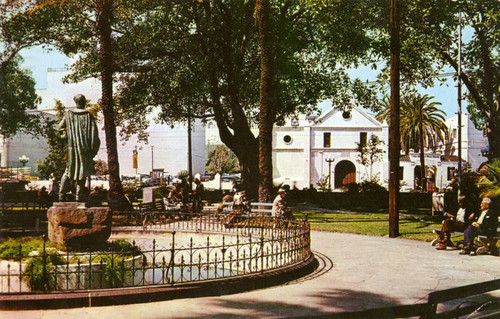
(265,115)
(490,184)
(422,125)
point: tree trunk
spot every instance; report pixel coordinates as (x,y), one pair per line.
(104,14)
(494,133)
(394,133)
(266,114)
(249,164)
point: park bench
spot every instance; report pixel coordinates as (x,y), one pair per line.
(157,212)
(255,208)
(257,215)
(142,214)
(481,249)
(22,217)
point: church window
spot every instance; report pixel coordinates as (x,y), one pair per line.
(327,136)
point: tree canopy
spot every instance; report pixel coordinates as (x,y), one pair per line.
(17,87)
(430,47)
(186,62)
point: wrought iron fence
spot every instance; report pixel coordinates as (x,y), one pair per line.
(253,245)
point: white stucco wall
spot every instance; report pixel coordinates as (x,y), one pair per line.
(473,140)
(170,150)
(22,144)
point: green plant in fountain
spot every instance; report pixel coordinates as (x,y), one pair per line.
(40,277)
(114,269)
(12,249)
(29,250)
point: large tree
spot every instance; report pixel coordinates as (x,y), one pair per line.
(205,55)
(430,47)
(17,97)
(419,114)
(17,87)
(85,28)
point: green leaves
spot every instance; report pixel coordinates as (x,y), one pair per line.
(17,96)
(419,116)
(221,160)
(490,184)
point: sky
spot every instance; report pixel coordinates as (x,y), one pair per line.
(38,60)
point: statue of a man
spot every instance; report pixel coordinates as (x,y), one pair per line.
(83,144)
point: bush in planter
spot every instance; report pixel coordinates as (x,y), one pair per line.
(114,269)
(39,279)
(13,248)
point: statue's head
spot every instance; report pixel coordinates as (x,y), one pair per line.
(80,101)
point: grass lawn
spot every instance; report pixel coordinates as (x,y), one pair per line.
(376,224)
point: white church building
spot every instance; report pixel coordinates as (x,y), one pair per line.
(306,149)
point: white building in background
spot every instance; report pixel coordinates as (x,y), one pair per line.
(33,147)
(473,140)
(170,144)
(167,149)
(19,145)
(301,147)
(306,149)
(440,168)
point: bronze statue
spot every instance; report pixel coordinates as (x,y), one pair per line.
(80,128)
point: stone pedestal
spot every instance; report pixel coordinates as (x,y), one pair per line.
(77,226)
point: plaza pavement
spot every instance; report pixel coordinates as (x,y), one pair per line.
(356,272)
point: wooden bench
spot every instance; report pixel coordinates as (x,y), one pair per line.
(255,208)
(257,214)
(156,211)
(481,249)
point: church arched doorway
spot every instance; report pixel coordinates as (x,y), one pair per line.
(345,174)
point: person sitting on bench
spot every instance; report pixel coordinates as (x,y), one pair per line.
(486,225)
(457,222)
(280,206)
(228,198)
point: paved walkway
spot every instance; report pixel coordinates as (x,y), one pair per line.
(356,273)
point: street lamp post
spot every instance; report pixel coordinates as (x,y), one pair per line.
(459,78)
(23,159)
(330,160)
(152,160)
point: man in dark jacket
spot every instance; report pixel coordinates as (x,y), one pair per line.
(455,221)
(486,224)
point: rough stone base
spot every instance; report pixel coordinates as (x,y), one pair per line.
(76,226)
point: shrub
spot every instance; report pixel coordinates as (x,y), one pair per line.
(121,245)
(38,279)
(9,249)
(366,187)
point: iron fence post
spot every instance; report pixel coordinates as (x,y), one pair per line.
(44,265)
